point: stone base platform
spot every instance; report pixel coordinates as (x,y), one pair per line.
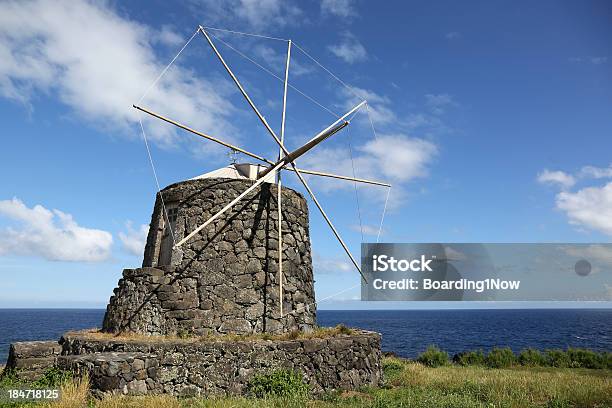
(221,367)
(30,359)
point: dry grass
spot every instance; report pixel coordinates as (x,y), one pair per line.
(150,401)
(320,332)
(73,394)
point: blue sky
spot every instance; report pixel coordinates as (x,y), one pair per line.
(492,121)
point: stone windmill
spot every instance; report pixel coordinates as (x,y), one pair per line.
(229,251)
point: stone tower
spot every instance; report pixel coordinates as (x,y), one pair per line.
(225,279)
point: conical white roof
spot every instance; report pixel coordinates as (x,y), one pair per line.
(245,171)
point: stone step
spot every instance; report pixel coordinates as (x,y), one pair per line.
(130,373)
(29,360)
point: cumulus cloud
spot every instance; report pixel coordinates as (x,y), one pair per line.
(379,106)
(51,234)
(394,158)
(134,240)
(257,14)
(590,207)
(49,47)
(168,36)
(558,178)
(326,265)
(349,49)
(340,8)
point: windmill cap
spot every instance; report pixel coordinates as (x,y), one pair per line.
(240,171)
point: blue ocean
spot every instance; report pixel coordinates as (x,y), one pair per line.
(405,332)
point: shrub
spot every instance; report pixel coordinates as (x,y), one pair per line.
(531,357)
(585,358)
(433,357)
(280,383)
(607,358)
(470,358)
(392,366)
(500,358)
(557,358)
(53,377)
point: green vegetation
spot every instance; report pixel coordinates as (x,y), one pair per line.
(531,358)
(281,383)
(470,358)
(433,357)
(500,358)
(530,381)
(53,377)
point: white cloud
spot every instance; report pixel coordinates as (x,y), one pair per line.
(340,8)
(596,172)
(379,106)
(51,234)
(257,14)
(394,158)
(559,178)
(349,49)
(277,61)
(98,63)
(168,36)
(595,252)
(371,230)
(590,207)
(324,265)
(399,157)
(438,103)
(134,240)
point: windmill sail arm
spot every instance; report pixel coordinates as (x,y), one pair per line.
(337,176)
(242,91)
(204,135)
(289,158)
(332,129)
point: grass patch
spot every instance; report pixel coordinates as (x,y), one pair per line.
(187,337)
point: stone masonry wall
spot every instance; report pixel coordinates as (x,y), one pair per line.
(225,279)
(30,359)
(222,367)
